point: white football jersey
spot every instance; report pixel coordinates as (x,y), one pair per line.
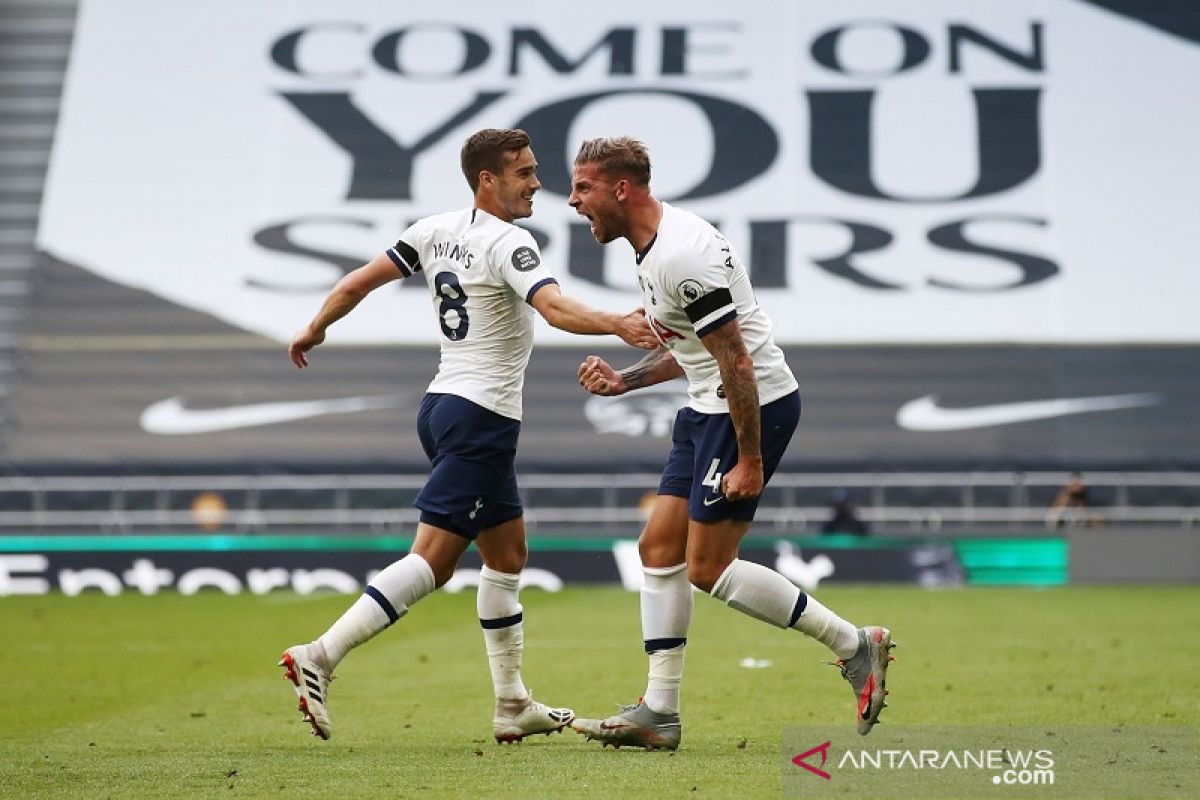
(481,272)
(692,283)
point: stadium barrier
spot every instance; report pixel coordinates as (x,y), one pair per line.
(596,504)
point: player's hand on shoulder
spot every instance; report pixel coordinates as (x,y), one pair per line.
(304,340)
(635,330)
(598,377)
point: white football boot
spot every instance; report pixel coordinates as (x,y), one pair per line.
(303,666)
(516,719)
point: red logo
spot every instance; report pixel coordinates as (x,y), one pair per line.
(664,333)
(823,749)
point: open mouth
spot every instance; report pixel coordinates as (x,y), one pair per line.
(588,217)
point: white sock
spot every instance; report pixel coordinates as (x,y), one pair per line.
(828,628)
(666,614)
(387,598)
(500,614)
(759,592)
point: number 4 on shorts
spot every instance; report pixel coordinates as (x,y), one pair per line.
(712,478)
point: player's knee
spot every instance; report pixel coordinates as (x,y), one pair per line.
(510,560)
(647,550)
(703,581)
(705,568)
(442,573)
(659,553)
(704,574)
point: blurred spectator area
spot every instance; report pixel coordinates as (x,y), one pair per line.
(577,504)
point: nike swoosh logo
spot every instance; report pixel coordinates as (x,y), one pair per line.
(171,417)
(924,413)
(864,699)
(709,502)
(620,726)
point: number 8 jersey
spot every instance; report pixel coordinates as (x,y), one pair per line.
(482,273)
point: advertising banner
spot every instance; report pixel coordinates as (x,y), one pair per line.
(931,173)
(307,564)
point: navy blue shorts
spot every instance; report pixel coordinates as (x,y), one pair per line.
(473,485)
(704,448)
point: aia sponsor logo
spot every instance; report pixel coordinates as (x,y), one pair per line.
(665,334)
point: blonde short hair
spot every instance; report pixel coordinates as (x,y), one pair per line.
(619,157)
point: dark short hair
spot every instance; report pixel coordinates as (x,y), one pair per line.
(485,150)
(618,156)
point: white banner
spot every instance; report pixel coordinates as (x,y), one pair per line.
(893,173)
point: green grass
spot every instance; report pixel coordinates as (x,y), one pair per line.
(172,696)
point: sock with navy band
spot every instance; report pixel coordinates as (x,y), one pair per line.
(827,628)
(386,599)
(759,592)
(666,602)
(502,619)
(764,594)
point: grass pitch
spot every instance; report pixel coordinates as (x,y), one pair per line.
(172,696)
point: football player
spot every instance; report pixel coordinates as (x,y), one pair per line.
(744,406)
(484,275)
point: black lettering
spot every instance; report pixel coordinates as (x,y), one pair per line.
(585,256)
(382,167)
(674,51)
(476,51)
(618,41)
(1009,145)
(864,238)
(677,46)
(278,239)
(914,49)
(744,143)
(540,237)
(1031,61)
(768,253)
(952,236)
(285,50)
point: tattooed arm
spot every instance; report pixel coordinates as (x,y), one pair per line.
(657,366)
(741,391)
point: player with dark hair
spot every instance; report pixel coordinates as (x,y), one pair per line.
(744,406)
(483,272)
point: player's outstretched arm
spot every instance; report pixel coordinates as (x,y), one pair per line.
(568,314)
(741,391)
(598,377)
(345,295)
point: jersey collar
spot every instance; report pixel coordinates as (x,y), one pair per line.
(638,255)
